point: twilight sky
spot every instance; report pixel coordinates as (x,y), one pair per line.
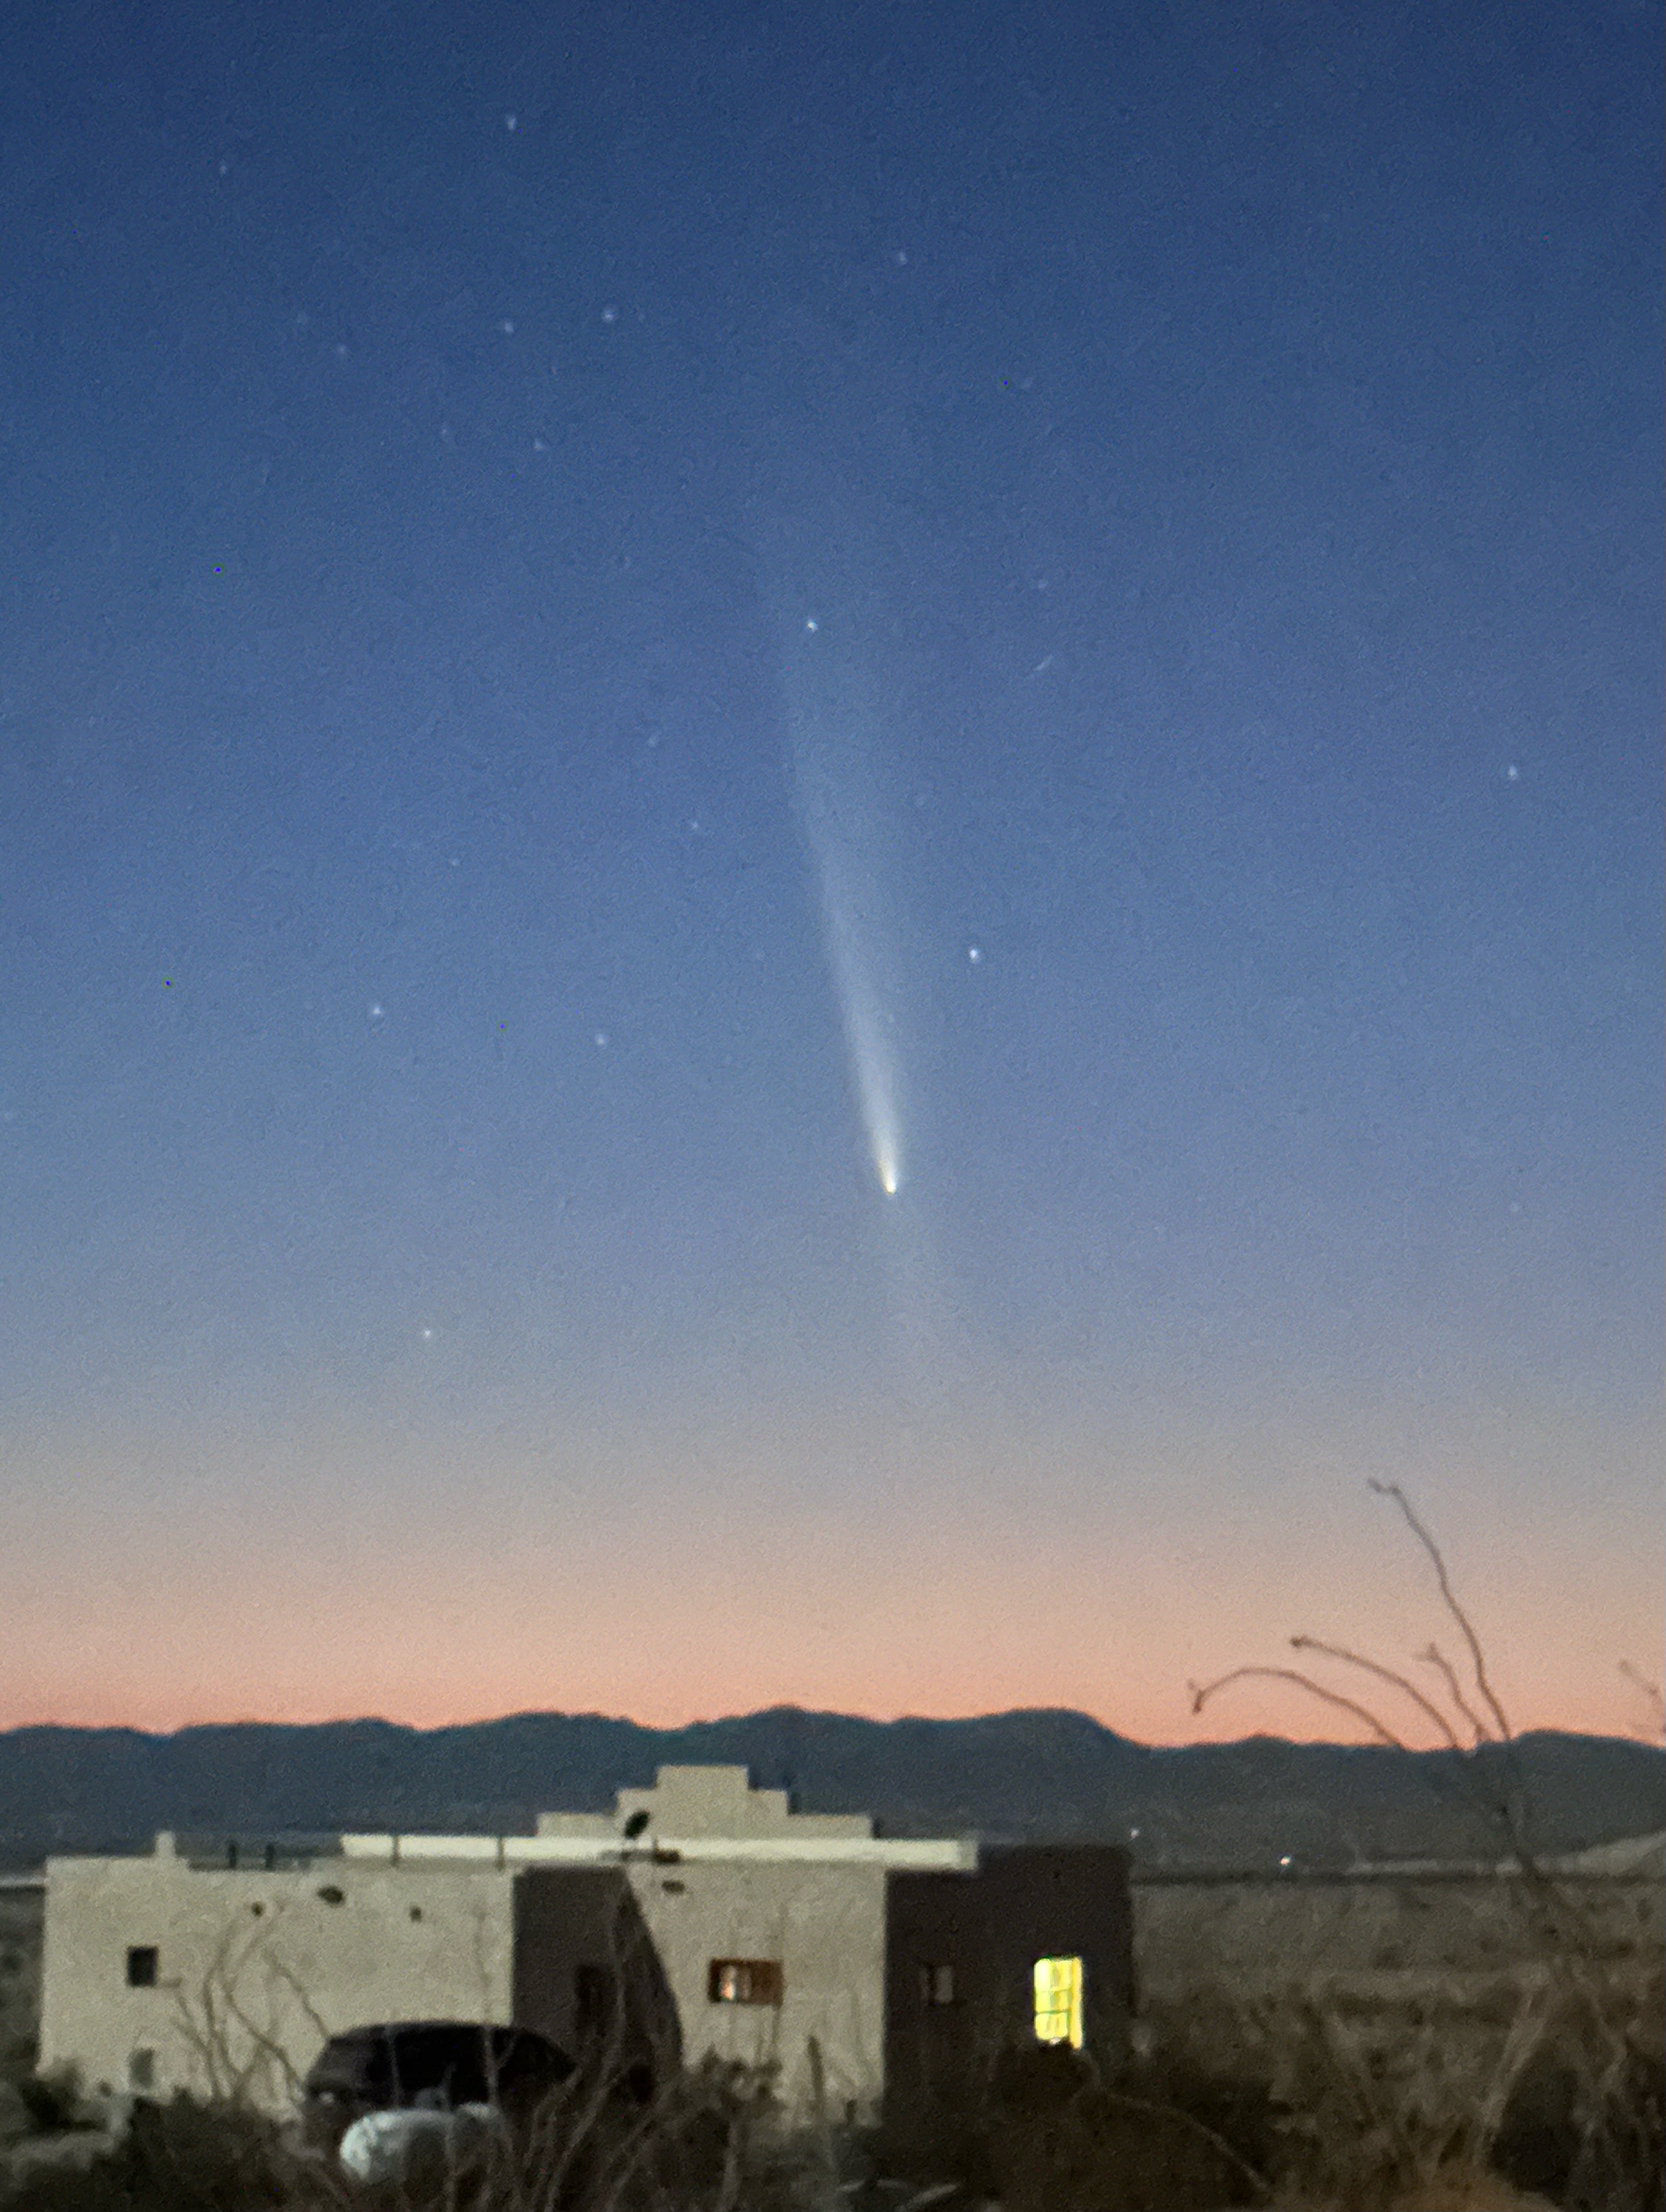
(621,626)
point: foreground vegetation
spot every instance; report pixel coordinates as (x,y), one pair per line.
(1277,2102)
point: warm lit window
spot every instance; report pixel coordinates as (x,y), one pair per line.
(937,1985)
(142,1966)
(1059,2001)
(745,1981)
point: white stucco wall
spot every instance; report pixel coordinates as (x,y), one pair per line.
(825,1924)
(244,1998)
(257,1968)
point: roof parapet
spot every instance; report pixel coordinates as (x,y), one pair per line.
(913,1852)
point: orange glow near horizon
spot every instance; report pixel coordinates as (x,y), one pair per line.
(1616,1713)
(421,1585)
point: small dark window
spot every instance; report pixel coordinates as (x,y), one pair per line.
(142,1966)
(142,2070)
(937,1985)
(674,1888)
(416,1911)
(743,1981)
(331,1895)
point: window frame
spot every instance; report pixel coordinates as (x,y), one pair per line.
(756,1982)
(1048,1985)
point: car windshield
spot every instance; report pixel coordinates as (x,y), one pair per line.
(358,2066)
(462,2062)
(455,2061)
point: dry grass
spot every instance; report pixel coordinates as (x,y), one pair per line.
(1284,2100)
(691,2148)
(1288,2102)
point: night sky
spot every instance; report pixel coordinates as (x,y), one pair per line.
(622,627)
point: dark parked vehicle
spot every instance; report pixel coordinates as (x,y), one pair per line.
(438,2064)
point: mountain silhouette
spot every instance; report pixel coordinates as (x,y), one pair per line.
(1023,1775)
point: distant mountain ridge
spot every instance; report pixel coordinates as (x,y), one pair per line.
(1019,1775)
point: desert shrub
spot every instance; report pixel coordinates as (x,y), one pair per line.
(1375,2108)
(97,2188)
(708,2140)
(710,2136)
(1202,2064)
(1585,2134)
(183,2156)
(51,2101)
(206,2156)
(1167,2131)
(1096,2154)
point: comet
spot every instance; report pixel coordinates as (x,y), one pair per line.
(838,812)
(849,929)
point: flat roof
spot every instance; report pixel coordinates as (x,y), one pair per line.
(903,1851)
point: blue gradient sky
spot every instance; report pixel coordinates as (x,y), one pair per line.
(442,1268)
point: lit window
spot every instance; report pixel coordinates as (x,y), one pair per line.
(745,1981)
(1059,2001)
(142,1966)
(937,1985)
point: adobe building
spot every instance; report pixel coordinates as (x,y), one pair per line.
(880,1975)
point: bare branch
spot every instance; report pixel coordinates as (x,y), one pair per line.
(297,1989)
(1201,1697)
(260,2038)
(1432,1656)
(1255,2178)
(1387,1674)
(1477,1659)
(1651,1691)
